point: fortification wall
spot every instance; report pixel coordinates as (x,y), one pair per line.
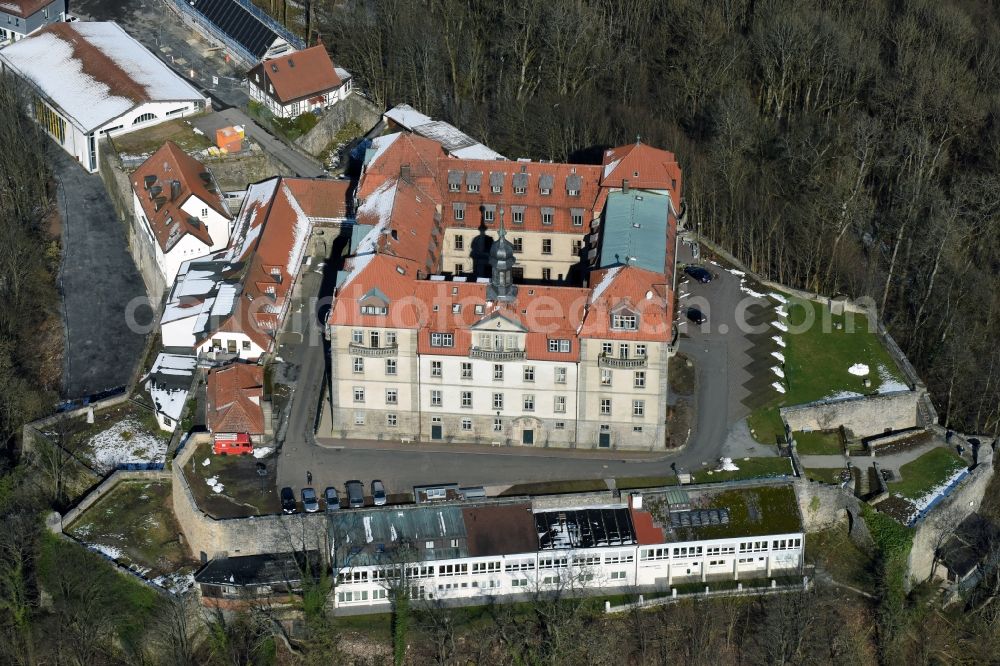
(863,417)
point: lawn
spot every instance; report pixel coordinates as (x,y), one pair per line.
(135,526)
(756,510)
(921,476)
(555,487)
(631,482)
(833,551)
(817,358)
(147,141)
(229,486)
(819,443)
(753,468)
(824,474)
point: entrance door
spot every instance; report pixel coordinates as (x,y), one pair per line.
(604,440)
(435,432)
(528,437)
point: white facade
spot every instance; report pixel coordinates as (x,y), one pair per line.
(189,246)
(612,568)
(298,107)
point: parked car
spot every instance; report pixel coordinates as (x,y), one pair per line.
(355,494)
(332,498)
(310,503)
(696,315)
(698,273)
(288,504)
(378,492)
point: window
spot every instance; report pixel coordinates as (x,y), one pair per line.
(623,351)
(488,215)
(391,420)
(518,245)
(497,372)
(467,424)
(561,346)
(638,407)
(453,186)
(639,379)
(546,246)
(467,399)
(607,348)
(617,575)
(560,425)
(605,406)
(374,310)
(529,373)
(390,338)
(459,216)
(517,215)
(358,337)
(472,187)
(573,193)
(359,394)
(560,375)
(547,216)
(466,370)
(435,398)
(435,368)
(204,212)
(519,189)
(374,339)
(498,401)
(442,340)
(559,404)
(497,425)
(546,274)
(456,308)
(496,189)
(144,118)
(391,397)
(359,365)
(359,418)
(624,322)
(605,377)
(640,351)
(577,218)
(459,242)
(246,345)
(529,403)
(390,366)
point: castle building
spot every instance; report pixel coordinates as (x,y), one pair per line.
(483,303)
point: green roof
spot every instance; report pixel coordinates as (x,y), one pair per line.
(635,230)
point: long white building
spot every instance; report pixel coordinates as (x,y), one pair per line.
(91,81)
(477,552)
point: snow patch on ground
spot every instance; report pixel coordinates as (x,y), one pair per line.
(779,340)
(262,452)
(843,395)
(736,272)
(778,387)
(778,297)
(859,370)
(778,371)
(177,583)
(925,501)
(113,552)
(206,462)
(782,312)
(780,326)
(750,292)
(126,442)
(213,483)
(889,383)
(778,355)
(727,465)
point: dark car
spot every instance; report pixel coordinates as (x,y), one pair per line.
(332,499)
(355,494)
(698,273)
(696,315)
(378,492)
(310,503)
(288,500)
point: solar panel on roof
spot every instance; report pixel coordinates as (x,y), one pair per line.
(242,26)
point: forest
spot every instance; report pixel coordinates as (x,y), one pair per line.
(840,146)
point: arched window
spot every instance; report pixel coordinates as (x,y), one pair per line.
(144,118)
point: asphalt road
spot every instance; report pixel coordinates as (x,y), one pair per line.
(721,354)
(98,280)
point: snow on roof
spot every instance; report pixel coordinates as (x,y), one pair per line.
(249,225)
(406,116)
(224,301)
(174,364)
(342,73)
(378,205)
(301,233)
(379,145)
(609,167)
(477,152)
(169,381)
(94,72)
(605,282)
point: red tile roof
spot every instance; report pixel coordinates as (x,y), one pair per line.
(399,152)
(641,292)
(644,167)
(234,394)
(299,75)
(323,198)
(169,224)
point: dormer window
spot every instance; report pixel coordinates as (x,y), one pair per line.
(497,189)
(624,322)
(380,310)
(519,190)
(473,187)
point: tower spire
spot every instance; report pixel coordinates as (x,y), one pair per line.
(502,287)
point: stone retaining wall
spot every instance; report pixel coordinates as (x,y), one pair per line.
(208,537)
(109,484)
(863,416)
(355,108)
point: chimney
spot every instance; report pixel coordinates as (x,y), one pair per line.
(625,185)
(175,189)
(404,172)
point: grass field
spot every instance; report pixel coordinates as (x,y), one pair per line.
(150,140)
(819,443)
(630,482)
(135,525)
(555,487)
(817,358)
(919,477)
(754,468)
(833,550)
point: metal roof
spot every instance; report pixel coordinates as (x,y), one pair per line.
(635,230)
(369,536)
(242,25)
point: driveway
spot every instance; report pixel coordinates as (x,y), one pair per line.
(98,281)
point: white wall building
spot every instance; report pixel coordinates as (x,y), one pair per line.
(92,80)
(299,82)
